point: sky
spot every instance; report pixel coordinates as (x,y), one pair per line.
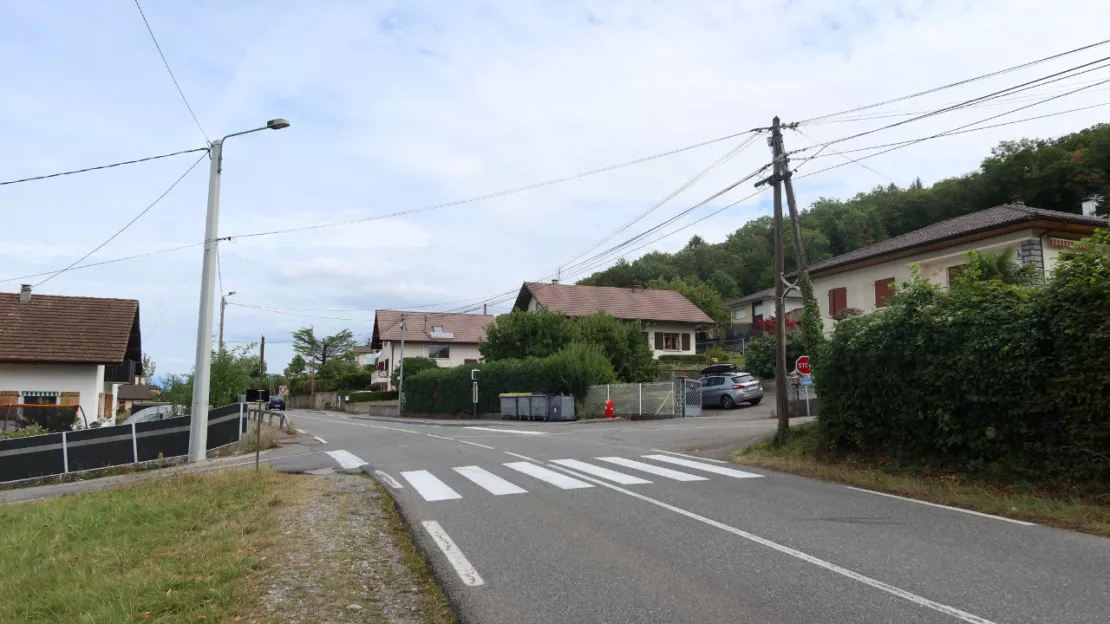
(400,105)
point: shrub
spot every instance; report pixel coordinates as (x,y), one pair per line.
(413,366)
(759,358)
(23,432)
(521,334)
(714,354)
(368,396)
(52,418)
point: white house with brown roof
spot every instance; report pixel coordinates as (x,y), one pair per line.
(58,350)
(862,279)
(449,339)
(749,309)
(669,321)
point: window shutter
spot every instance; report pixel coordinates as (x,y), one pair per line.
(646,340)
(70,398)
(838,300)
(883,291)
(658,341)
(685,342)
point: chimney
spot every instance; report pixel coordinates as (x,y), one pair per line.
(25,293)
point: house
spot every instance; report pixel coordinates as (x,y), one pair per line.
(449,339)
(58,350)
(749,309)
(862,279)
(129,394)
(669,321)
(366,356)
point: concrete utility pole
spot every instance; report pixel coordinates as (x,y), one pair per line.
(223,306)
(198,425)
(781,404)
(401,371)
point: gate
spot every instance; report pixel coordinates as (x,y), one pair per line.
(687,397)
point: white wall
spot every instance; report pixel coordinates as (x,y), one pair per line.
(669,328)
(86,379)
(460,352)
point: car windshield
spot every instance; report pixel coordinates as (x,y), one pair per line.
(743,379)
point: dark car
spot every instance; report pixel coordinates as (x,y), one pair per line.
(276,403)
(718,369)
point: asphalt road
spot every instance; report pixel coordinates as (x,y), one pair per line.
(640,522)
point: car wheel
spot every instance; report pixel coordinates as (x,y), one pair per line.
(755,401)
(727,402)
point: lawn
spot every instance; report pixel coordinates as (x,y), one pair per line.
(176,549)
(1030,502)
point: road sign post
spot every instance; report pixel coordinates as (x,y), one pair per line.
(474,389)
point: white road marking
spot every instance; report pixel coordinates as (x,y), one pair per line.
(488,481)
(476,444)
(454,556)
(331,420)
(543,474)
(389,428)
(786,550)
(598,471)
(715,461)
(655,470)
(508,431)
(921,502)
(432,435)
(346,460)
(519,455)
(390,481)
(721,470)
(428,486)
(320,440)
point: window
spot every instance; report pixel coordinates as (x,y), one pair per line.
(883,291)
(670,341)
(838,300)
(714,381)
(740,314)
(954,272)
(742,379)
(439,351)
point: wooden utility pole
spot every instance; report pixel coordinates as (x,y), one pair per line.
(258,425)
(781,403)
(312,387)
(262,359)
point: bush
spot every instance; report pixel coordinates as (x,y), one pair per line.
(53,418)
(759,358)
(23,432)
(714,354)
(368,396)
(413,366)
(448,390)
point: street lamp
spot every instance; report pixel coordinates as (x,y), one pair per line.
(198,426)
(223,306)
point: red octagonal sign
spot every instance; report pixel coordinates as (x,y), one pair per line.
(802,365)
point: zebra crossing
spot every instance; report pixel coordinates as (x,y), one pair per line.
(520,477)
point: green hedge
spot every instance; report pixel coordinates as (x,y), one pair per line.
(682,359)
(987,377)
(448,390)
(368,396)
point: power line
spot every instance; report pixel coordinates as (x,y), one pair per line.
(103,262)
(128,224)
(961,82)
(99,167)
(170,71)
(878,173)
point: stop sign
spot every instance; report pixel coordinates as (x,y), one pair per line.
(802,365)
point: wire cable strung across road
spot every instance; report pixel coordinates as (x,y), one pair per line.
(170,71)
(99,167)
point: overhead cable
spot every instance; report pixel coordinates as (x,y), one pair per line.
(170,71)
(99,167)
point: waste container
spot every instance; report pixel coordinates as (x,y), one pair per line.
(561,407)
(536,406)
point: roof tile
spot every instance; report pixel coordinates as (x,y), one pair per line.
(51,328)
(623,303)
(467,328)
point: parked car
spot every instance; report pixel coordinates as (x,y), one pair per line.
(276,403)
(728,390)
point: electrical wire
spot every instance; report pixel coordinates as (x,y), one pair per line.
(104,262)
(278,311)
(878,173)
(170,71)
(127,225)
(99,167)
(961,82)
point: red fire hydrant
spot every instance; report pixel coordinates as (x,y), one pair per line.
(609,408)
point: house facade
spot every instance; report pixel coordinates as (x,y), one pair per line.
(448,339)
(669,322)
(746,311)
(74,351)
(863,279)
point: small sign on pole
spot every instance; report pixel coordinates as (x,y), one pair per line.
(474,389)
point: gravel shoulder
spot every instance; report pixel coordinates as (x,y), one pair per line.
(348,559)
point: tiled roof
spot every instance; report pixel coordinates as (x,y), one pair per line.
(624,303)
(973,223)
(465,328)
(768,293)
(365,349)
(133,392)
(58,329)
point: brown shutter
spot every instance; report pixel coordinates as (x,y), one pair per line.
(838,300)
(646,340)
(685,342)
(658,341)
(70,398)
(883,291)
(9,397)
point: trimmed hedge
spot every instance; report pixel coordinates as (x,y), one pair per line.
(682,359)
(367,396)
(986,378)
(448,390)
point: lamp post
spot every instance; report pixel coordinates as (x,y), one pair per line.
(198,426)
(223,306)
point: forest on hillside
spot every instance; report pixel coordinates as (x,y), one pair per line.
(1055,174)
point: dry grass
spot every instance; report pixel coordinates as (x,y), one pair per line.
(1023,502)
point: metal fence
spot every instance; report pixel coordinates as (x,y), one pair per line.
(647,400)
(91,449)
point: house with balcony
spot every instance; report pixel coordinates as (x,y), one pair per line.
(447,338)
(862,279)
(75,351)
(669,322)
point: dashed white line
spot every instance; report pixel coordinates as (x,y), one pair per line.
(389,428)
(921,502)
(432,435)
(715,461)
(721,470)
(454,556)
(320,440)
(476,444)
(390,481)
(346,460)
(519,455)
(517,431)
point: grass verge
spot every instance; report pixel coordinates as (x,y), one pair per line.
(434,606)
(180,549)
(800,455)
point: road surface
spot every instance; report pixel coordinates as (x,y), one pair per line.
(642,523)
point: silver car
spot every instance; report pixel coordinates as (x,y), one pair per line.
(728,390)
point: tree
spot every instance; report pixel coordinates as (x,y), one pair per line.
(413,365)
(724,284)
(149,366)
(622,343)
(297,366)
(700,294)
(232,372)
(759,358)
(308,346)
(1001,266)
(521,334)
